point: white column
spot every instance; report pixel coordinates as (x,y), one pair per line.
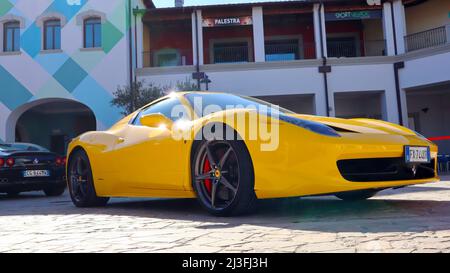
(319,19)
(197,32)
(404,103)
(390,97)
(140,41)
(258,34)
(447,28)
(388,29)
(319,103)
(331,103)
(384,106)
(400,25)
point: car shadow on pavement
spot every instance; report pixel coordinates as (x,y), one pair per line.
(325,214)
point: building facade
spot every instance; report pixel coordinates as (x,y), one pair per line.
(61,60)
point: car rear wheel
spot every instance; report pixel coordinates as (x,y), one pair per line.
(223,178)
(55,191)
(81,182)
(356,195)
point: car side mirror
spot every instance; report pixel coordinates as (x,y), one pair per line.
(156,120)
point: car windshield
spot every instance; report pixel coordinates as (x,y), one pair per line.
(208,103)
(4,147)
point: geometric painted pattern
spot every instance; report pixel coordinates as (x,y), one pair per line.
(72,72)
(110,36)
(5,6)
(13,93)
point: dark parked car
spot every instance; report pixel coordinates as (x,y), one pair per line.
(28,167)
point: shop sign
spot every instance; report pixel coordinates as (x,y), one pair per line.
(229,21)
(353,15)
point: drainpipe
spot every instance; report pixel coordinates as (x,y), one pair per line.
(324,69)
(130,40)
(397,67)
(135,43)
(393,27)
(197,66)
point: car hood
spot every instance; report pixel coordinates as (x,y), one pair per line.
(363,126)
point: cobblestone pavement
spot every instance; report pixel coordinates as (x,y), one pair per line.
(414,219)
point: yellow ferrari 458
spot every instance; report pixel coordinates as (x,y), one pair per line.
(228,151)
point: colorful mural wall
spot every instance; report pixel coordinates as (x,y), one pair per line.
(86,75)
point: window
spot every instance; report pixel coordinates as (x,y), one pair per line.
(282,50)
(168,107)
(211,102)
(167,57)
(11,37)
(231,52)
(52,35)
(92,33)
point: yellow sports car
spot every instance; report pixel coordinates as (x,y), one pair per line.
(228,151)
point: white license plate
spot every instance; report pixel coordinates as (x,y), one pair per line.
(36,173)
(415,154)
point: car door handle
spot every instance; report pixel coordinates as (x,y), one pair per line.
(120,140)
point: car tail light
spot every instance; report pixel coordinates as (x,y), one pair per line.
(10,162)
(60,161)
(2,162)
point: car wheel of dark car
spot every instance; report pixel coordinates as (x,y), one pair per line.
(356,195)
(55,191)
(12,194)
(223,177)
(81,182)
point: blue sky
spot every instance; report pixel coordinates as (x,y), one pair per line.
(170,3)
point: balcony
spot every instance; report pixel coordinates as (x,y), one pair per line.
(428,38)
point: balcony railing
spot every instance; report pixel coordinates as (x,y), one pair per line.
(167,57)
(231,54)
(339,49)
(425,39)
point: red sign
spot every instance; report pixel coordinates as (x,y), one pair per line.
(230,21)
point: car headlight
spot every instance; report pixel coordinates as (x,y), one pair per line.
(312,126)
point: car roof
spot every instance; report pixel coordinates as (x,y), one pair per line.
(24,144)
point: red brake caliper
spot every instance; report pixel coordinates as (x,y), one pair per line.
(206,169)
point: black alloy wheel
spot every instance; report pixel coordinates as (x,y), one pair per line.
(81,184)
(223,177)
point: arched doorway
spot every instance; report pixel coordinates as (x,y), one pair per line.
(53,123)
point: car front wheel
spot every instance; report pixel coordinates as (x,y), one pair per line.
(223,177)
(81,182)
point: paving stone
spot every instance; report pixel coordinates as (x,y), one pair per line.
(414,219)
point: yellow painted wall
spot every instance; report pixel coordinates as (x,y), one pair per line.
(428,15)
